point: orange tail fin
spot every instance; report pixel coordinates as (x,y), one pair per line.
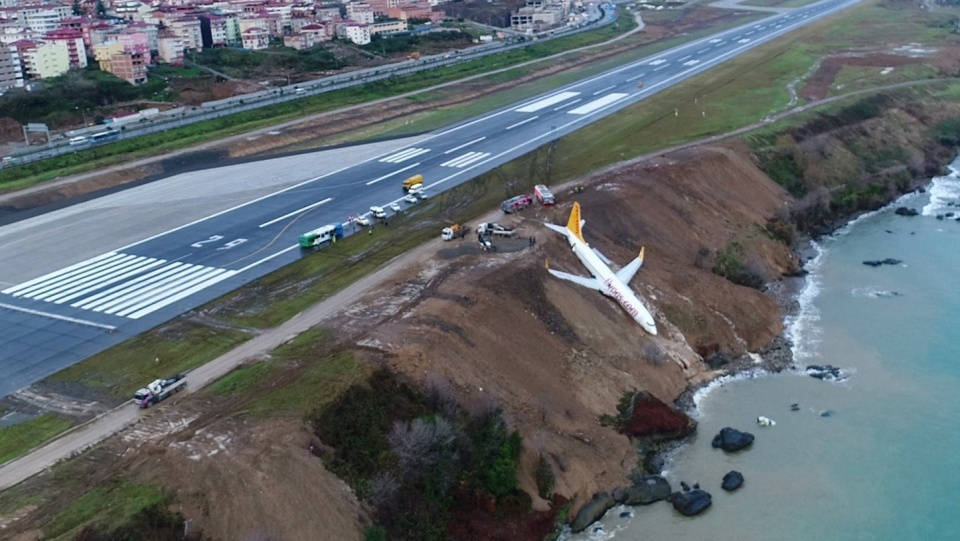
(573,224)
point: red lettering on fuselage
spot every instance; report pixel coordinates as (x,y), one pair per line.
(616,294)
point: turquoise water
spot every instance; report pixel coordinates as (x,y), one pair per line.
(885,465)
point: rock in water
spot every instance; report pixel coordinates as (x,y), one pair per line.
(691,503)
(904,211)
(731,440)
(732,481)
(826,372)
(651,419)
(592,512)
(646,489)
(684,486)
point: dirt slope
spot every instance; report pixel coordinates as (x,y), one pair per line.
(556,356)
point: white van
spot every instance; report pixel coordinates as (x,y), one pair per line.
(77,141)
(378,213)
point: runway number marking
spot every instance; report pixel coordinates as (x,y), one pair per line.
(232,244)
(213,238)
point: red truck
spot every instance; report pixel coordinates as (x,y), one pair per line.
(514,204)
(544,195)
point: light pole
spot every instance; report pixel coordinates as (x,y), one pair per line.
(83,114)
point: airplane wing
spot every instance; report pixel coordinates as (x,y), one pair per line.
(627,273)
(592,283)
(602,257)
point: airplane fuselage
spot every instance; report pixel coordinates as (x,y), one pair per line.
(612,286)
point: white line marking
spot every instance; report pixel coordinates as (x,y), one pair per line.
(657,62)
(602,90)
(58,317)
(298,211)
(199,278)
(51,280)
(465,145)
(635,77)
(182,295)
(458,159)
(192,275)
(661,67)
(531,119)
(546,102)
(597,104)
(94,301)
(701,51)
(735,38)
(128,294)
(684,58)
(691,63)
(56,274)
(388,175)
(749,33)
(269,257)
(400,156)
(91,275)
(565,105)
(716,40)
(150,263)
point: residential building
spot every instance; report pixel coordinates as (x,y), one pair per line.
(388,27)
(11,72)
(42,18)
(360,13)
(43,60)
(131,67)
(149,29)
(538,16)
(135,42)
(300,40)
(323,14)
(299,21)
(233,30)
(131,10)
(255,38)
(170,48)
(380,7)
(103,53)
(72,40)
(188,29)
(319,31)
(100,33)
(357,33)
(213,30)
(282,12)
(416,10)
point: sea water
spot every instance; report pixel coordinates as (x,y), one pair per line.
(873,457)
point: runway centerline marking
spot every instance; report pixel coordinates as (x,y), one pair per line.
(298,211)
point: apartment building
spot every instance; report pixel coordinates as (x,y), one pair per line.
(131,67)
(187,28)
(255,38)
(42,60)
(213,30)
(300,40)
(357,33)
(388,27)
(170,48)
(360,13)
(11,72)
(72,40)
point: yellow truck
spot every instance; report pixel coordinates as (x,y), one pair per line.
(412,181)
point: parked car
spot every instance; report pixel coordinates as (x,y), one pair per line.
(410,198)
(394,207)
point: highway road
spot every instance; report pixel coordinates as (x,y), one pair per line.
(63,301)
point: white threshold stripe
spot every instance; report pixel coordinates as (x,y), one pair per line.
(104,297)
(55,274)
(123,276)
(602,90)
(399,155)
(207,274)
(565,105)
(546,102)
(298,211)
(129,295)
(456,161)
(52,279)
(101,279)
(182,295)
(151,295)
(531,119)
(86,322)
(388,175)
(473,159)
(465,145)
(81,278)
(597,104)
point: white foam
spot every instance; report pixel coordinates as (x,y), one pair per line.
(944,190)
(873,292)
(801,328)
(702,393)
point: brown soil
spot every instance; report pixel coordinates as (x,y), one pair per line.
(556,356)
(818,85)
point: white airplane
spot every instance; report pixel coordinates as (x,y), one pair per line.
(611,284)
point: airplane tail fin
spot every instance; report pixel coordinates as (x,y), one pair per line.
(575,224)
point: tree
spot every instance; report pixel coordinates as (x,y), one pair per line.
(101,10)
(77,10)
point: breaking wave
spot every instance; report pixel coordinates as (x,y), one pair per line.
(801,328)
(944,191)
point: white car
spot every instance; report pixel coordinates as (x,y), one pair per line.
(362,220)
(394,207)
(410,198)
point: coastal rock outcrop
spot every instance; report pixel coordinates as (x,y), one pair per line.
(691,503)
(878,262)
(826,372)
(592,511)
(905,211)
(653,420)
(732,440)
(732,481)
(646,489)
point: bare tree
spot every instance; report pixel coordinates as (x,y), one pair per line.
(653,353)
(423,446)
(382,489)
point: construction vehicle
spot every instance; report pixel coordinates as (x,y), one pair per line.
(320,235)
(412,181)
(485,243)
(455,231)
(495,230)
(544,195)
(160,389)
(413,56)
(514,204)
(378,213)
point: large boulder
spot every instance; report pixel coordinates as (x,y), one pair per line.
(646,489)
(731,440)
(651,419)
(732,481)
(592,512)
(905,211)
(691,503)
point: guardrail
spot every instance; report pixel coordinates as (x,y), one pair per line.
(256,100)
